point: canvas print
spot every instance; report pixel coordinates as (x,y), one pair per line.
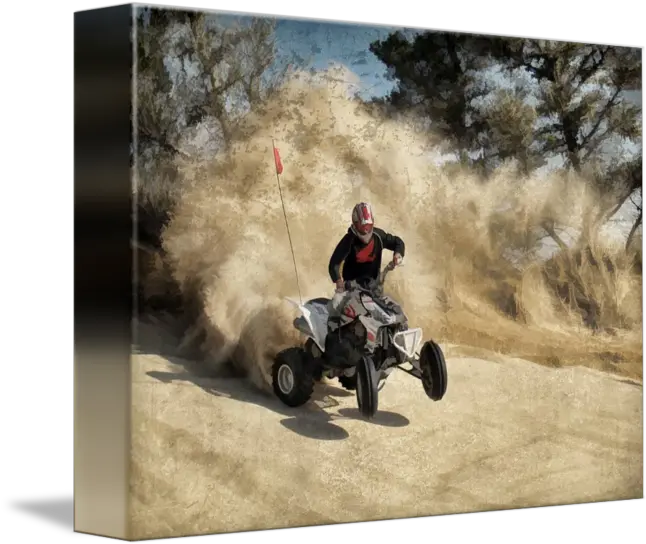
(381,273)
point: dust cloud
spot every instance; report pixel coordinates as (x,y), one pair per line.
(473,275)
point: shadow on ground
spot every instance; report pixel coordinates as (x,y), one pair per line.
(311,420)
(58,511)
(382,417)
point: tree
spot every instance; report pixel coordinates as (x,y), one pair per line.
(569,101)
(436,79)
(440,78)
(197,76)
(612,187)
(638,220)
(221,69)
(581,91)
(508,131)
(153,80)
(584,110)
(158,138)
(230,66)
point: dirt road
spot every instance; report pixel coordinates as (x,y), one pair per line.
(212,455)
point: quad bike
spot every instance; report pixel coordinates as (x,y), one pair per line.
(366,342)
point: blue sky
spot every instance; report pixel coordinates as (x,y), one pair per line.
(321,43)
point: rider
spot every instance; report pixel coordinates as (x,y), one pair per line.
(361,248)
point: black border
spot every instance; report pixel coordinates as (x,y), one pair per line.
(103,203)
(103,268)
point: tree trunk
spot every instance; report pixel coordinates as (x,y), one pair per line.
(593,222)
(633,230)
(549,228)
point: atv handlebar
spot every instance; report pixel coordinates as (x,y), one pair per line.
(354,284)
(388,268)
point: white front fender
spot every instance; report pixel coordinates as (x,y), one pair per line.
(408,341)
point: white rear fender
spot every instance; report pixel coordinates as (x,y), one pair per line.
(316,321)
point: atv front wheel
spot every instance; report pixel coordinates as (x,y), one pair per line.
(433,366)
(367,392)
(293,377)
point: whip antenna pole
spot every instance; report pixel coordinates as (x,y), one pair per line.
(279,169)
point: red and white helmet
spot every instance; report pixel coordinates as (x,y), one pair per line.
(363,221)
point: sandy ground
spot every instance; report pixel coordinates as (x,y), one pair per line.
(213,455)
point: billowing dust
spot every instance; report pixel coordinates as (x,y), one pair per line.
(472,274)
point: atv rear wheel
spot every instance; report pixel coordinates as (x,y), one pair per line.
(293,377)
(433,366)
(367,392)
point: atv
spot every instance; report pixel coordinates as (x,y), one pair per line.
(366,339)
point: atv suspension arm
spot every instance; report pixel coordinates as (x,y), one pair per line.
(412,372)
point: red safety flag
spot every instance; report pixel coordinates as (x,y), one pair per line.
(279,164)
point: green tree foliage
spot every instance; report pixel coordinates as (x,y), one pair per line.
(582,97)
(508,131)
(581,93)
(436,76)
(439,77)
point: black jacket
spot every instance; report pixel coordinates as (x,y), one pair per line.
(362,259)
